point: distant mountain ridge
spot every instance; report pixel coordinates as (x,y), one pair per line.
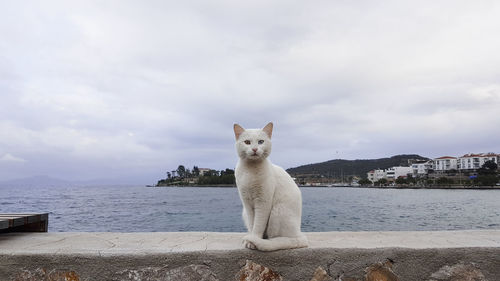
(47,181)
(40,180)
(339,167)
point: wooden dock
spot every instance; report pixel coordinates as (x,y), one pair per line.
(24,222)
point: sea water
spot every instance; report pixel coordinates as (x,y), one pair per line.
(151,209)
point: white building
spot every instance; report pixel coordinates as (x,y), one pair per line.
(421,169)
(203,171)
(389,174)
(445,163)
(375,175)
(475,161)
(396,172)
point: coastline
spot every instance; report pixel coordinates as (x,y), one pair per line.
(350,186)
(436,187)
(189,186)
(408,187)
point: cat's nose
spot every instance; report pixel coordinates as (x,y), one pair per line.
(254,149)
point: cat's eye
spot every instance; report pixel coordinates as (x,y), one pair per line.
(261,141)
(247,142)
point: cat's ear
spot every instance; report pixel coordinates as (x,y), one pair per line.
(268,129)
(238,130)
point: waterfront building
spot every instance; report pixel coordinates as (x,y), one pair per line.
(398,171)
(389,174)
(375,175)
(203,171)
(422,168)
(445,163)
(447,166)
(475,161)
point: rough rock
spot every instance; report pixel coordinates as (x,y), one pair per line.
(380,272)
(252,271)
(41,274)
(347,279)
(320,275)
(186,273)
(458,272)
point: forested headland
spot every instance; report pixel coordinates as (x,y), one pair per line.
(183,176)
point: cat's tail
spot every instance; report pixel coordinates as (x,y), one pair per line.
(280,243)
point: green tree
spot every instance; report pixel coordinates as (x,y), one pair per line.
(411,180)
(196,171)
(444,181)
(401,180)
(181,171)
(486,180)
(161,182)
(214,177)
(211,173)
(364,182)
(489,168)
(227,172)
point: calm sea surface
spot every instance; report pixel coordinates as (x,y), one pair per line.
(137,209)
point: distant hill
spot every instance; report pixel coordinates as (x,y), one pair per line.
(340,167)
(47,181)
(35,181)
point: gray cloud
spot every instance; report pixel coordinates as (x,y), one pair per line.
(130,90)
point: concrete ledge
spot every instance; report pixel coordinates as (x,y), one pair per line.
(219,256)
(109,243)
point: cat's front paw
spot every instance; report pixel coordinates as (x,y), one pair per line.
(249,245)
(248,241)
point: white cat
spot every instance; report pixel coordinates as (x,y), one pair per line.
(272,202)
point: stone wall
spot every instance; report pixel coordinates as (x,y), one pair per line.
(465,264)
(452,263)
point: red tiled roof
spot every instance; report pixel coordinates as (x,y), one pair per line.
(489,154)
(472,155)
(446,157)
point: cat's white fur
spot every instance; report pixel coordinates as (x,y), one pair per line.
(272,202)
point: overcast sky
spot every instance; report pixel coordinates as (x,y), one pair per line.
(132,89)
